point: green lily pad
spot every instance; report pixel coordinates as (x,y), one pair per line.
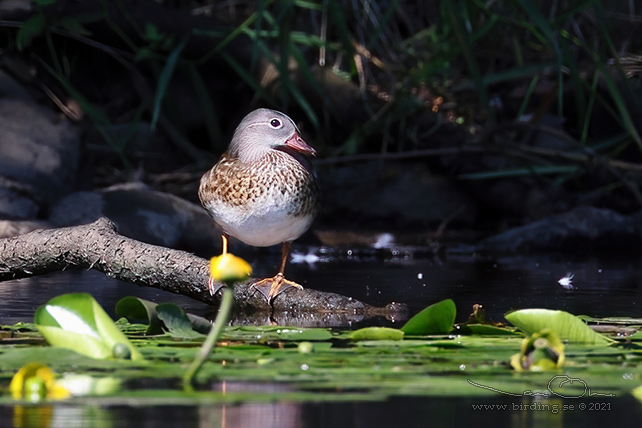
(636,336)
(297,333)
(569,327)
(138,310)
(337,367)
(435,319)
(377,333)
(76,321)
(200,324)
(142,311)
(270,333)
(176,321)
(637,393)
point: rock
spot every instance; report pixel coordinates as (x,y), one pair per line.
(40,152)
(141,144)
(143,214)
(582,229)
(392,195)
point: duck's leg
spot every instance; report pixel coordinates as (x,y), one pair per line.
(212,285)
(272,287)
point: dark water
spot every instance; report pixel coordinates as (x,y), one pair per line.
(600,286)
(606,286)
(20,298)
(395,412)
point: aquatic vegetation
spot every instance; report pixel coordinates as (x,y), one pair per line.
(76,321)
(36,382)
(541,352)
(228,269)
(469,359)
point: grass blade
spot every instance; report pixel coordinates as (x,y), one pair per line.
(164,79)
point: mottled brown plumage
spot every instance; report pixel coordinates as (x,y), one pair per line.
(263,190)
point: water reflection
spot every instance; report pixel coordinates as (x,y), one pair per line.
(600,287)
(417,411)
(20,298)
(103,416)
(282,414)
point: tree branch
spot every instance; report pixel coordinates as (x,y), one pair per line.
(99,246)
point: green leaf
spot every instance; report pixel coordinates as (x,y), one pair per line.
(142,311)
(637,393)
(73,25)
(20,326)
(297,333)
(200,324)
(61,359)
(248,78)
(569,327)
(435,319)
(163,81)
(76,321)
(176,321)
(265,333)
(31,28)
(206,104)
(312,82)
(520,172)
(377,333)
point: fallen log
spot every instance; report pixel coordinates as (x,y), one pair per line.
(99,246)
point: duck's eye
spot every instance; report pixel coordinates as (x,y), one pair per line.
(275,123)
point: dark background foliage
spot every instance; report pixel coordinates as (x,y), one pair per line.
(531,108)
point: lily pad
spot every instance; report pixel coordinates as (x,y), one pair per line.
(377,333)
(176,321)
(199,324)
(569,327)
(138,310)
(76,321)
(435,319)
(270,333)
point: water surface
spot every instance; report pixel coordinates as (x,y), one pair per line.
(600,286)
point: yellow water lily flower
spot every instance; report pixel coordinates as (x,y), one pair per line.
(228,268)
(36,382)
(541,351)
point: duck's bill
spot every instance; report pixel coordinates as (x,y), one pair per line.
(295,142)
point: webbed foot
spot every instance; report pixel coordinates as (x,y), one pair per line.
(272,287)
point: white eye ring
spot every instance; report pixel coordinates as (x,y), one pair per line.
(276,123)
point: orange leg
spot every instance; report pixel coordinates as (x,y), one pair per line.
(225,239)
(272,287)
(285,253)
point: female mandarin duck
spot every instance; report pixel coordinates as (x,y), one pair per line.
(263,190)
